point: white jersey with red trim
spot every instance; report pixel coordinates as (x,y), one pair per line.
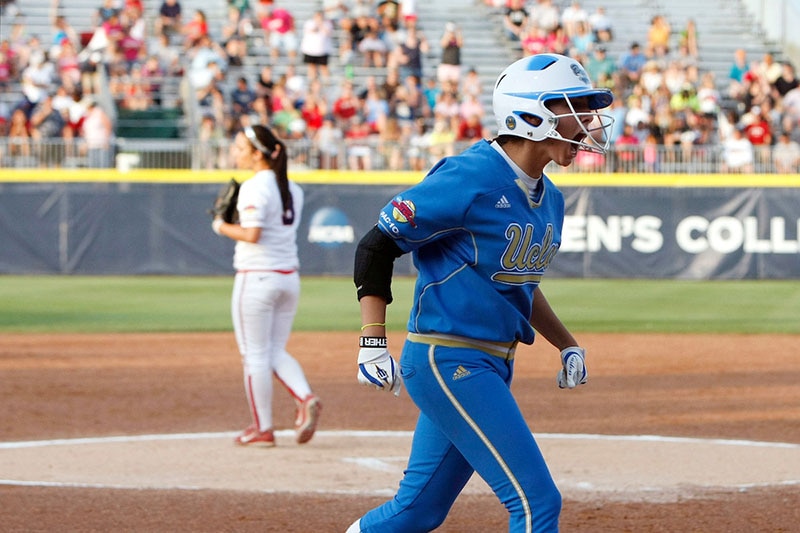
(260,206)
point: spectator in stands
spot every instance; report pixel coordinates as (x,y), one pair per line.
(626,158)
(449,68)
(432,92)
(515,19)
(8,68)
(582,42)
(448,108)
(408,56)
(737,153)
(48,127)
(104,13)
(313,112)
(472,83)
(738,69)
(688,39)
(37,80)
(470,129)
(169,19)
(19,134)
(195,30)
(441,142)
(708,96)
(335,11)
(114,32)
(558,42)
(636,113)
(408,13)
(652,77)
(242,97)
(533,40)
(417,152)
(98,131)
(359,148)
(68,67)
(572,15)
(414,97)
(631,63)
(328,140)
(470,106)
(375,109)
(346,106)
(601,25)
(264,85)
(769,70)
(545,14)
(403,112)
(758,131)
(317,46)
(63,33)
(207,64)
(658,37)
(599,63)
(210,137)
(279,30)
(786,82)
(786,154)
(373,49)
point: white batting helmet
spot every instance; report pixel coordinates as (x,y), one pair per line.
(524,88)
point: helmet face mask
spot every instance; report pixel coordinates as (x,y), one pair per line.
(526,89)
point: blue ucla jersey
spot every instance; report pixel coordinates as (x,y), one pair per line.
(481,243)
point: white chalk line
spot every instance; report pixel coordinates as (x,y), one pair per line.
(376,463)
(390,434)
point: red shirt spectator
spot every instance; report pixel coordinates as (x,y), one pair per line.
(758,132)
(312,114)
(470,129)
(346,106)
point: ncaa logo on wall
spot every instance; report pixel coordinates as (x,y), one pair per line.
(330,228)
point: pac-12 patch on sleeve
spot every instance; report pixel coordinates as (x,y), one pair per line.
(404,211)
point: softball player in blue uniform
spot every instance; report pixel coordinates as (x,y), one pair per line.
(483,227)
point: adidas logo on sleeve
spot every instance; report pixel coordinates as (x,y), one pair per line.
(502,203)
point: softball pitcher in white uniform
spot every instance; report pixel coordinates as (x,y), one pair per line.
(266,288)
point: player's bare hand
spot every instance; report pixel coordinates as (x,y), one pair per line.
(573,371)
(376,368)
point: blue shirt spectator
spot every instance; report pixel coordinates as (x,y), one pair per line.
(632,62)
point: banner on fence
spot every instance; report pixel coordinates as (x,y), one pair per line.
(610,232)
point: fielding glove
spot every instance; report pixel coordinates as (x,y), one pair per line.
(376,367)
(573,371)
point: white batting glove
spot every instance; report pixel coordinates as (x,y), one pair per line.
(573,371)
(376,368)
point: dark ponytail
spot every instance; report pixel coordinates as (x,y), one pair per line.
(274,152)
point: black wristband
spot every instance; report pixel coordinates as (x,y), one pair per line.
(372,342)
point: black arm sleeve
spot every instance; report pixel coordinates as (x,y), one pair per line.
(374,264)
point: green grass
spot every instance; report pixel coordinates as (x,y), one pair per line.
(165,303)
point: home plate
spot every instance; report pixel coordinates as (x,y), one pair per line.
(647,468)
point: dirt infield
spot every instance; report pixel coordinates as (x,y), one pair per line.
(133,433)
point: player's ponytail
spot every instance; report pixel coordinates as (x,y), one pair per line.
(274,152)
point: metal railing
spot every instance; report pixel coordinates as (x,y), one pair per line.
(369,154)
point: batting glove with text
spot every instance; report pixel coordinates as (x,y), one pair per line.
(376,367)
(573,371)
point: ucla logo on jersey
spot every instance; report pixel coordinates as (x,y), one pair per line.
(524,260)
(580,73)
(404,211)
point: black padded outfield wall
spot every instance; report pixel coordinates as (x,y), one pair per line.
(610,232)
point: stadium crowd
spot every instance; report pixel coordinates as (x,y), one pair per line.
(667,109)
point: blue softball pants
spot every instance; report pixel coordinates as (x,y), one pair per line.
(469,422)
